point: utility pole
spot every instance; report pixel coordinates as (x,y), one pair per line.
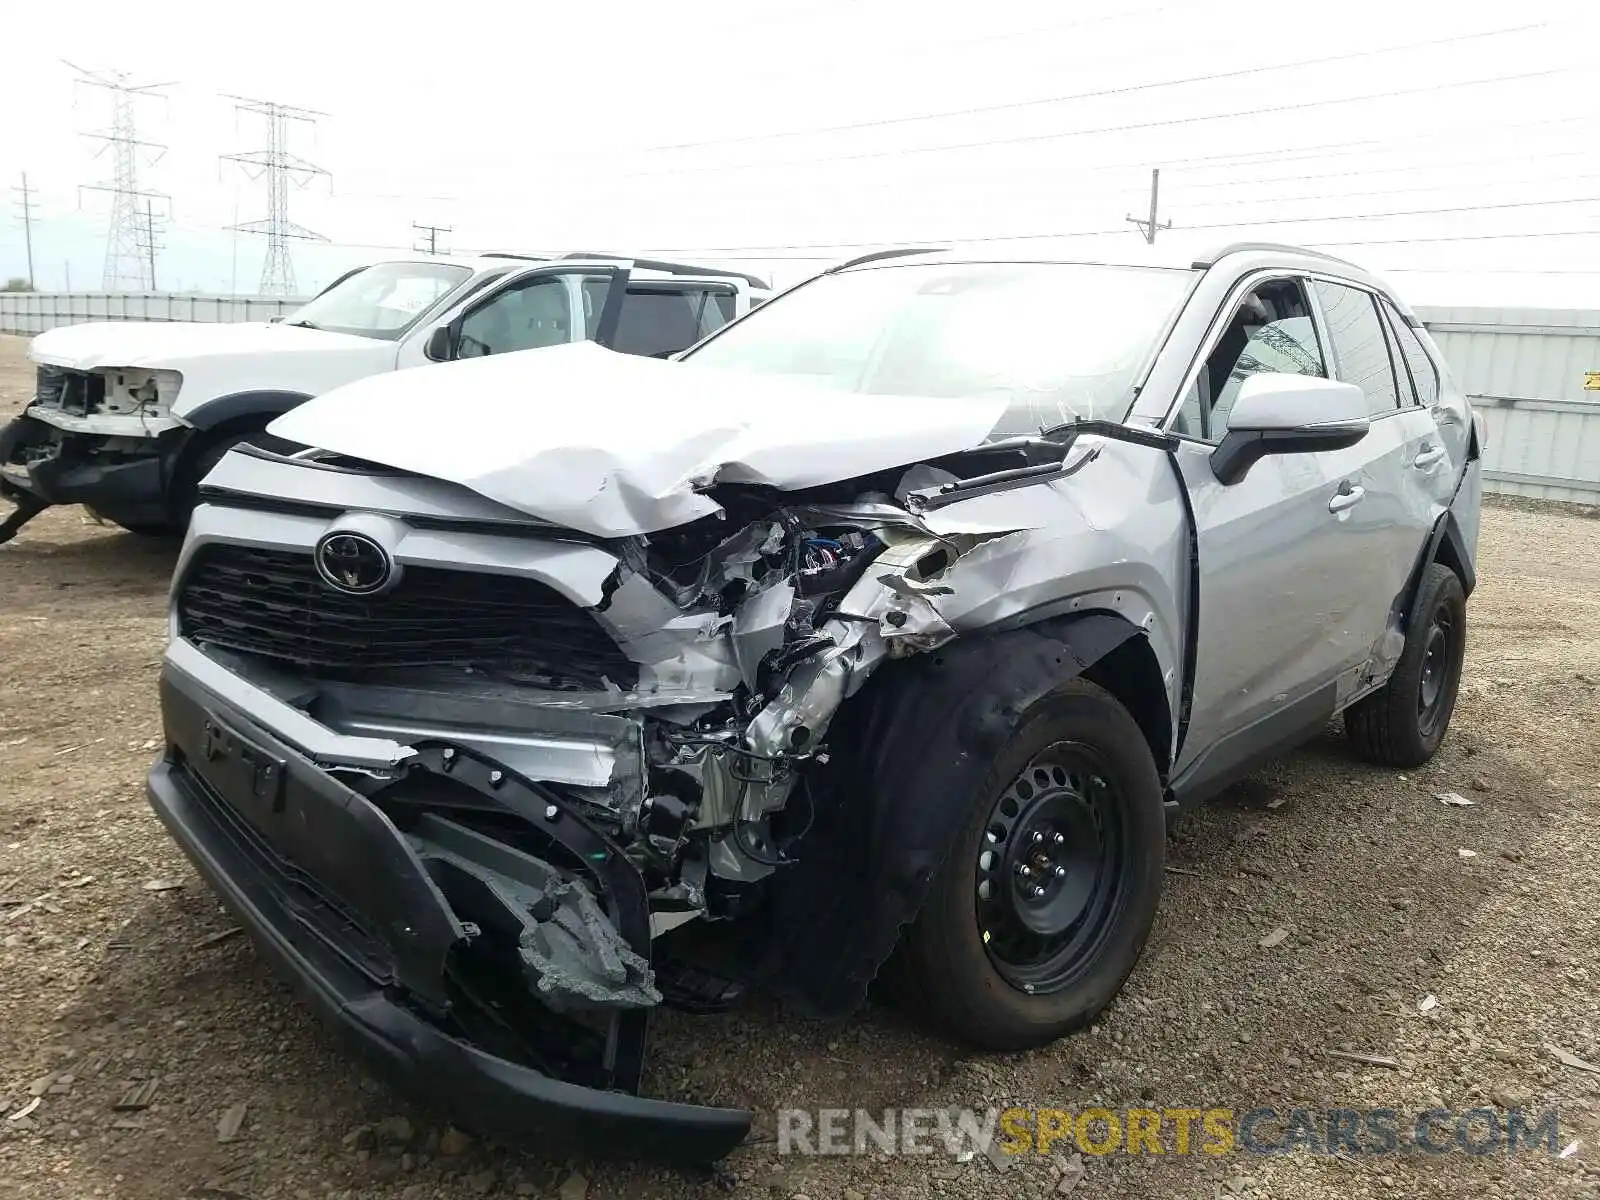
(25,208)
(130,249)
(1148,226)
(430,234)
(279,168)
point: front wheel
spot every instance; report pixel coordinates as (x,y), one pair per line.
(1046,901)
(1403,722)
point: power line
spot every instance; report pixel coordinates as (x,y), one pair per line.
(1097,94)
(25,210)
(130,238)
(1129,127)
(280,168)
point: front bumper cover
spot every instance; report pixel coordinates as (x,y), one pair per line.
(71,472)
(227,811)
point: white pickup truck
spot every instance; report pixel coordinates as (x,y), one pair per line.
(128,417)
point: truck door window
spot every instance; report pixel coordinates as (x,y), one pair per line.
(523,317)
(660,320)
(1270,330)
(1360,348)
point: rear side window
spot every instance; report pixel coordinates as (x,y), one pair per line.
(1424,375)
(1360,347)
(663,320)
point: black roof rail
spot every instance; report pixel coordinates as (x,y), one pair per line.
(671,268)
(877,255)
(513,254)
(1209,260)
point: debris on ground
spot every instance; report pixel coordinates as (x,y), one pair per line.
(1371,1060)
(27,1109)
(1276,938)
(138,1096)
(1465,853)
(211,939)
(1568,1059)
(1072,1174)
(1428,1003)
(231,1121)
(1454,799)
(162,885)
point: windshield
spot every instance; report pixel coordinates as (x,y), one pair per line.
(381,301)
(1061,341)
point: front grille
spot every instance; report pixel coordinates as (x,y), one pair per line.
(76,392)
(272,603)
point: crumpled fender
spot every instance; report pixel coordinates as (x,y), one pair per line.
(908,754)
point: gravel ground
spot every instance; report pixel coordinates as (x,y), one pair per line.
(117,969)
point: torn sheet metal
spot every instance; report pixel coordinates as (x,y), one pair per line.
(614,444)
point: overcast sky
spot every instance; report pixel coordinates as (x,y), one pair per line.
(786,134)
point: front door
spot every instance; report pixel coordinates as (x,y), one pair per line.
(1286,554)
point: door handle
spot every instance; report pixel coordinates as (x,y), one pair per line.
(1427,456)
(1348,496)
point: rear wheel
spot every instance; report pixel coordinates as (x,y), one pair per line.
(1402,724)
(1045,903)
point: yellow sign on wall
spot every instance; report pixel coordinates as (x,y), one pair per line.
(1591,381)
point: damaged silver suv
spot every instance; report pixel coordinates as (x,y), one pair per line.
(877,638)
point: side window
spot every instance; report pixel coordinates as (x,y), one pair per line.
(1270,330)
(1360,347)
(1424,375)
(659,320)
(523,317)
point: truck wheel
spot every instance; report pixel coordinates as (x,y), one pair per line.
(186,488)
(1402,724)
(1046,900)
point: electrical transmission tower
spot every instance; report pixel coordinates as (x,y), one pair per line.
(279,168)
(25,211)
(131,238)
(430,235)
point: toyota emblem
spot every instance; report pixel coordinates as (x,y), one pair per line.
(353,563)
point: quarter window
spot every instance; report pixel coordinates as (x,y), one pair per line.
(1270,330)
(1360,348)
(1424,375)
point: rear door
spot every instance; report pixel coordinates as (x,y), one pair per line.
(1408,461)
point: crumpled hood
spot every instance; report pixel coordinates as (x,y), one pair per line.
(613,444)
(172,344)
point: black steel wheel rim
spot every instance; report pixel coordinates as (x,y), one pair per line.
(1438,667)
(1053,869)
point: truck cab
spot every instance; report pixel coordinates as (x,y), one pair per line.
(127,418)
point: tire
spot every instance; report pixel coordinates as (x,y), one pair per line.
(978,965)
(186,488)
(1402,724)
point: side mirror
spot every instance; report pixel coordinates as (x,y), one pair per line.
(1288,414)
(275,320)
(440,346)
